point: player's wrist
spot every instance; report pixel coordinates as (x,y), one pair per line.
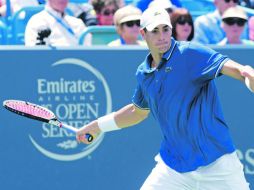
(247,83)
(107,123)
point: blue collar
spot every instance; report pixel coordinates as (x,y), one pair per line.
(166,56)
(59,18)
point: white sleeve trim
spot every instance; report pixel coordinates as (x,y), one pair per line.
(220,67)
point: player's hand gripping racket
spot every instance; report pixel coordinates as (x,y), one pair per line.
(39,113)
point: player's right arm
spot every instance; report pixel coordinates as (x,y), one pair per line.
(125,117)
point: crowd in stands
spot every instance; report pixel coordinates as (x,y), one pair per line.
(62,22)
(62,29)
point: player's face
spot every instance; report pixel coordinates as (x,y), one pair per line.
(159,39)
(59,5)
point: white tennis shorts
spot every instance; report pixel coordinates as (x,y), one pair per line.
(226,173)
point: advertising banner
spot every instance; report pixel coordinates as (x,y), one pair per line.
(80,85)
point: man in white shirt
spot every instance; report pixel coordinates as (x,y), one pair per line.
(53,27)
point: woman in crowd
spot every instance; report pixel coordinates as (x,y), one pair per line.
(105,10)
(182,23)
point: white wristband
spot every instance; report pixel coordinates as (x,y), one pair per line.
(107,123)
(247,83)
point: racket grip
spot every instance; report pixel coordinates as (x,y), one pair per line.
(89,137)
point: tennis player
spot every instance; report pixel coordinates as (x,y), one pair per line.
(175,83)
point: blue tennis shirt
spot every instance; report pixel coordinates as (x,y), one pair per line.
(183,99)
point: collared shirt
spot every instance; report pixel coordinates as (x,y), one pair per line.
(120,42)
(208,29)
(183,99)
(60,31)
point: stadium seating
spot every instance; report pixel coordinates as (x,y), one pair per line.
(19,21)
(3,34)
(100,34)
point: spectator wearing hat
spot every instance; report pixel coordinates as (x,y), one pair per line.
(251,28)
(233,21)
(208,27)
(182,23)
(127,22)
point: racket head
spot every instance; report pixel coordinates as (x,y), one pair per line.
(29,110)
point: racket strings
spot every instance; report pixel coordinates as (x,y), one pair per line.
(31,109)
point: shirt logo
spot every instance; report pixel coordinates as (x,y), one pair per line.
(157,13)
(168,69)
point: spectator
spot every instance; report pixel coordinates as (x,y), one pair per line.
(85,12)
(53,27)
(166,4)
(127,22)
(208,27)
(105,10)
(251,28)
(233,21)
(182,23)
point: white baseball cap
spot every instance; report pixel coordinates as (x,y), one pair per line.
(154,16)
(235,12)
(161,3)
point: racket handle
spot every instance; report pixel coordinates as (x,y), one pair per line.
(89,137)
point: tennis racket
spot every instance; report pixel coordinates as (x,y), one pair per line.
(39,113)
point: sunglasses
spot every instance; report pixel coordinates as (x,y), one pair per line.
(108,12)
(132,23)
(232,21)
(235,1)
(183,21)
